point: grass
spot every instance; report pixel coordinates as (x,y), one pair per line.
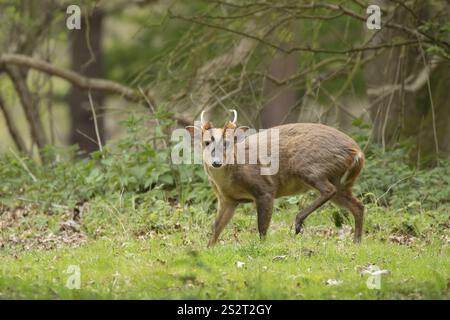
(159,252)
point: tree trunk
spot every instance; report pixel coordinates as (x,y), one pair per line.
(383,74)
(397,80)
(281,101)
(86,56)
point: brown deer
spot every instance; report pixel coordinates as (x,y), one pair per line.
(310,156)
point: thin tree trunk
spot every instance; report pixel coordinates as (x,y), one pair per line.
(399,95)
(384,73)
(12,129)
(86,55)
(29,104)
(281,101)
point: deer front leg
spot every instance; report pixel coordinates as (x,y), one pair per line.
(225,212)
(264,208)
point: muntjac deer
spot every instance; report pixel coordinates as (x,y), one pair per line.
(311,156)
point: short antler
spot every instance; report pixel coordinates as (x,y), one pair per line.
(235,115)
(202,117)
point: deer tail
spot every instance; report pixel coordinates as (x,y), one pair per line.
(356,165)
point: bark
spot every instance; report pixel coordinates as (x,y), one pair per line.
(86,55)
(30,105)
(281,101)
(12,129)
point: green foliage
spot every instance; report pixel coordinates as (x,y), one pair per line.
(131,165)
(144,225)
(389,179)
(137,165)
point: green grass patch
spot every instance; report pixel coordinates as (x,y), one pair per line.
(170,260)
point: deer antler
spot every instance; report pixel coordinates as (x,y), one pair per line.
(235,115)
(202,118)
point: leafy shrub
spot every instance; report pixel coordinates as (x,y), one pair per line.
(131,165)
(389,178)
(137,164)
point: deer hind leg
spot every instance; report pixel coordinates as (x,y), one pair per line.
(264,208)
(224,214)
(346,200)
(327,191)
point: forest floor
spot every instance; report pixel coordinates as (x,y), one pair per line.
(116,257)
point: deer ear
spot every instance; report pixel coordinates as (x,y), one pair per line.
(229,125)
(228,129)
(207,125)
(192,129)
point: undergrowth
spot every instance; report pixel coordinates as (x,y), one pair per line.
(138,226)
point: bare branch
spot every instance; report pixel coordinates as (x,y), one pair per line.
(24,165)
(296,48)
(29,106)
(13,130)
(73,77)
(415,33)
(94,115)
(82,81)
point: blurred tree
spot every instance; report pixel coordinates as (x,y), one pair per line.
(281,100)
(87,56)
(407,85)
(218,55)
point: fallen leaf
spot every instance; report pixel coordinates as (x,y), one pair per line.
(333,282)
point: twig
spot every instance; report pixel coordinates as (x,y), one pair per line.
(393,185)
(153,111)
(391,99)
(24,165)
(433,116)
(338,7)
(87,34)
(87,137)
(97,133)
(296,48)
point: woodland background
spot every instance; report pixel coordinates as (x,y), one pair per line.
(85,123)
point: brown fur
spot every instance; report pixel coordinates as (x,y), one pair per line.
(312,156)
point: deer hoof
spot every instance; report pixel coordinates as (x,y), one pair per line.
(298,228)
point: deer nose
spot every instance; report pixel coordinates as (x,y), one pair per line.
(216,163)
